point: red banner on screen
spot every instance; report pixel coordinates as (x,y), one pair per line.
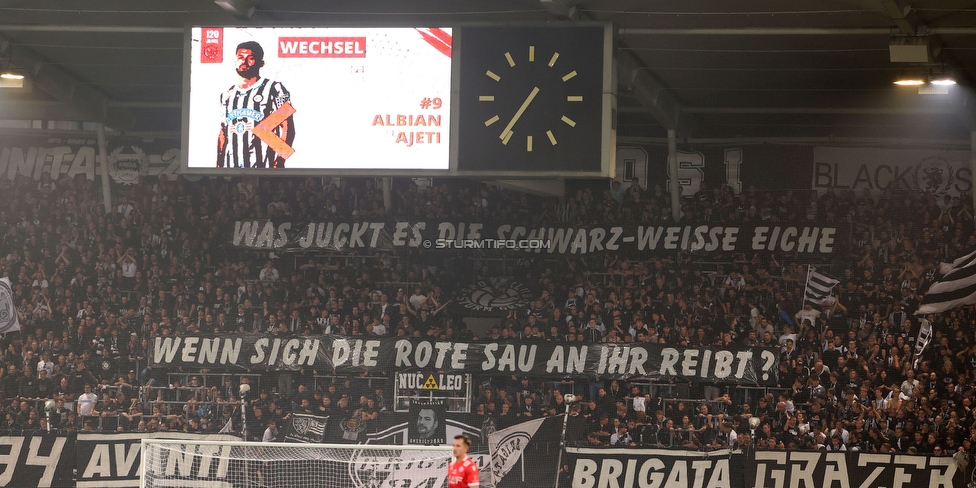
(212,45)
(321,47)
(438,38)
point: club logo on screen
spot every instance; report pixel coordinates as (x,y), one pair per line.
(212,45)
(211,54)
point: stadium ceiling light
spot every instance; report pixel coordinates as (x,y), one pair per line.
(11,78)
(943,79)
(910,81)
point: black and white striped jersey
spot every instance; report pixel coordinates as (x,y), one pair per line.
(242,109)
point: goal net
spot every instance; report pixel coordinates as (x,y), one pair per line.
(179,463)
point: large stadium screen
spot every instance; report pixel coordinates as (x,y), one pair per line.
(307,99)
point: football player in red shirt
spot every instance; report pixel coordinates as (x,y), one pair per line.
(463,472)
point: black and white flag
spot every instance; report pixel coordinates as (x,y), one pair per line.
(306,428)
(521,455)
(956,288)
(506,445)
(818,286)
(924,337)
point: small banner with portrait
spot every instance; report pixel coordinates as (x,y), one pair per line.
(427,425)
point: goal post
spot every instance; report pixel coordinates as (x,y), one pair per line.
(182,463)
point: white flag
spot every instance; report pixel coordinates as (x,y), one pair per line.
(818,286)
(506,446)
(924,337)
(8,312)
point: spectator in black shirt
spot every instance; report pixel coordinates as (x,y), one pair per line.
(27,386)
(23,414)
(45,386)
(81,377)
(59,414)
(64,390)
(528,409)
(11,381)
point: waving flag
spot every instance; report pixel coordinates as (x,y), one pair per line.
(956,288)
(818,286)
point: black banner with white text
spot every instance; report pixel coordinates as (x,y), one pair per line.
(592,468)
(357,355)
(101,460)
(82,460)
(116,459)
(37,460)
(803,239)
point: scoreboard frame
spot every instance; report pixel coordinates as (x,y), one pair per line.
(608,111)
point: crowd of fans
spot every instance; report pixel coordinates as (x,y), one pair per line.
(93,288)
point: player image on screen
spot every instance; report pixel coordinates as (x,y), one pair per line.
(463,472)
(258,127)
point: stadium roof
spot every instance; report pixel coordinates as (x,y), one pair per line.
(795,71)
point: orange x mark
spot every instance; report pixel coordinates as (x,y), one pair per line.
(271,122)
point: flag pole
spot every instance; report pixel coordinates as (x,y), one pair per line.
(806,285)
(562,447)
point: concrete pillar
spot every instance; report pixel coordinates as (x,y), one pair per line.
(106,181)
(673,186)
(387,183)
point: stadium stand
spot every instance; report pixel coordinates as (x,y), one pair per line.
(93,288)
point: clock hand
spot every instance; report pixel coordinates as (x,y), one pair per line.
(521,110)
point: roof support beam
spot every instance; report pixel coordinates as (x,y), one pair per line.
(562,8)
(755,31)
(169,105)
(632,75)
(242,9)
(29,110)
(546,188)
(787,31)
(899,11)
(819,110)
(81,97)
(123,29)
(967,111)
(648,90)
(806,141)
